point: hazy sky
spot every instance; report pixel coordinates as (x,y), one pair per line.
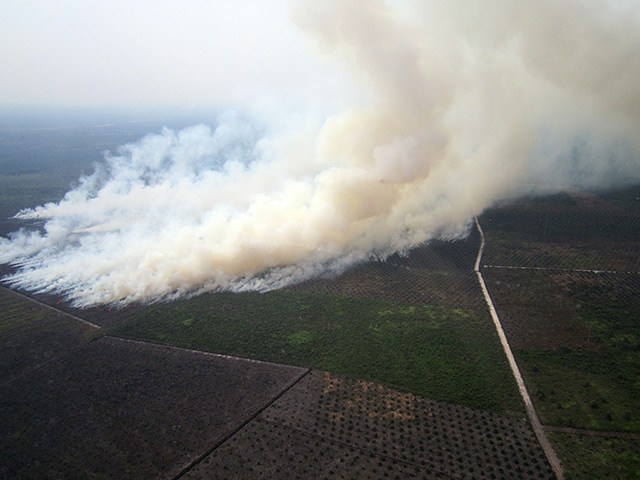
(151,52)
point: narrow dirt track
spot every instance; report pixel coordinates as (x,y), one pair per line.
(552,269)
(531,412)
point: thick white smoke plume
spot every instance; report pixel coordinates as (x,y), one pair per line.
(460,104)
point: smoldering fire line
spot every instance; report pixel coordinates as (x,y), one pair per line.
(460,105)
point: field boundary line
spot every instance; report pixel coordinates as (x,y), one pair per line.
(531,412)
(204,352)
(592,433)
(241,425)
(555,269)
(51,307)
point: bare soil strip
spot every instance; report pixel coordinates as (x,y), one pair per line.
(551,269)
(592,433)
(531,413)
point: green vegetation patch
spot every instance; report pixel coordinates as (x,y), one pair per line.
(611,306)
(597,389)
(447,354)
(594,458)
(592,390)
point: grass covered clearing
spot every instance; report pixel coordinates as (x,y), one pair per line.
(594,458)
(443,353)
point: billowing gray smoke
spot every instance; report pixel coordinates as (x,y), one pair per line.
(460,104)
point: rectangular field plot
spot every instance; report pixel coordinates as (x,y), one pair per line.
(576,337)
(536,313)
(31,335)
(398,322)
(121,409)
(579,231)
(589,390)
(383,281)
(329,426)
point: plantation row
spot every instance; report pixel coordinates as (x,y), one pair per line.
(329,426)
(119,409)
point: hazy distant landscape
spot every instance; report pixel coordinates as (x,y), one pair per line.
(44,151)
(392,367)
